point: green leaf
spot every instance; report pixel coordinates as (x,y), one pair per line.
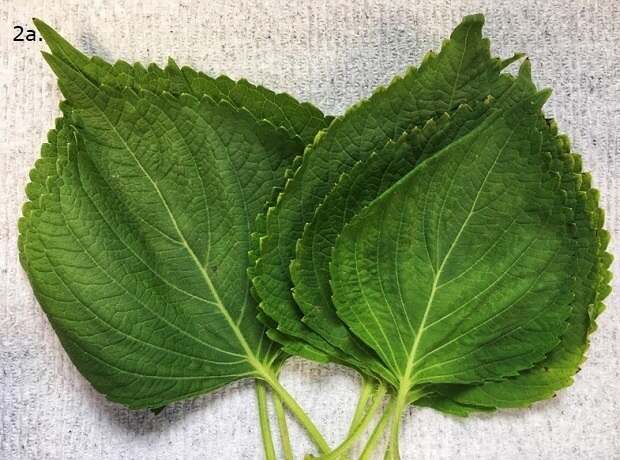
(463,71)
(282,110)
(136,241)
(439,237)
(367,181)
(299,119)
(293,119)
(591,262)
(459,273)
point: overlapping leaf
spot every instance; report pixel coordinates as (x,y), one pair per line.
(439,237)
(282,110)
(467,282)
(366,182)
(591,263)
(139,220)
(463,71)
(308,321)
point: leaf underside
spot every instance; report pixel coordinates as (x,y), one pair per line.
(141,210)
(454,98)
(458,273)
(467,71)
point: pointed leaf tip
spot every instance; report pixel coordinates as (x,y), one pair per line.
(60,47)
(542,96)
(473,18)
(46,31)
(506,62)
(469,24)
(525,70)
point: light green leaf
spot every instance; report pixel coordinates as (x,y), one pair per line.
(137,242)
(462,271)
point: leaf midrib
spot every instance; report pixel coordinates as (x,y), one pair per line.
(159,276)
(185,244)
(251,356)
(406,379)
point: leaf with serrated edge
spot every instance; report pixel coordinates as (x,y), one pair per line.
(459,272)
(142,238)
(300,119)
(367,180)
(462,71)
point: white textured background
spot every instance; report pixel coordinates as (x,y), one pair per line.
(331,53)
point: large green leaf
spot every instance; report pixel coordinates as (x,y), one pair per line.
(367,181)
(137,234)
(462,71)
(462,272)
(299,119)
(290,123)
